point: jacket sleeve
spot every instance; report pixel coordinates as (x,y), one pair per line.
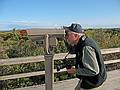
(90,63)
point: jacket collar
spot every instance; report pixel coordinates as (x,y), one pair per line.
(80,43)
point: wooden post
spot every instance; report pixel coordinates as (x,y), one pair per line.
(49,74)
(49,66)
(46,44)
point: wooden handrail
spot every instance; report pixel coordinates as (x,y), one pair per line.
(41,58)
(24,60)
(37,73)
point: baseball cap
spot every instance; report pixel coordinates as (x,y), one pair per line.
(75,28)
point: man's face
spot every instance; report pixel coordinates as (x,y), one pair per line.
(70,38)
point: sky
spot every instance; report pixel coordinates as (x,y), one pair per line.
(23,14)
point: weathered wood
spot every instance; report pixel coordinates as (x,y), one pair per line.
(41,58)
(23,75)
(110,50)
(49,74)
(34,59)
(112,61)
(21,60)
(32,32)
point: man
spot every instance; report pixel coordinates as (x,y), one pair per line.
(90,67)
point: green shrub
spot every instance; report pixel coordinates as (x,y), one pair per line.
(24,49)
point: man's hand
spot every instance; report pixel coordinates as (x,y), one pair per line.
(72,70)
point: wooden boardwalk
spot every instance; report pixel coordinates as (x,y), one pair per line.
(112,83)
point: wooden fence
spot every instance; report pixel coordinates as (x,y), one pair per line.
(49,70)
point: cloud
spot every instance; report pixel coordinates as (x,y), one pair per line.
(8,25)
(86,23)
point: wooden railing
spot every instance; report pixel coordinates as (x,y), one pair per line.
(35,59)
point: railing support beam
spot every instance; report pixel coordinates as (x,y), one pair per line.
(49,75)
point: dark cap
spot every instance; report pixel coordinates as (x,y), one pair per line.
(75,28)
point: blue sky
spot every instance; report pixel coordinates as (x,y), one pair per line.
(57,13)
